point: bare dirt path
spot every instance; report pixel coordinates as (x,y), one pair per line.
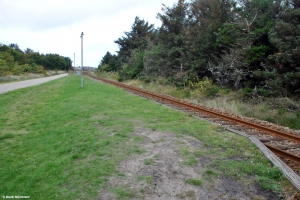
(160,173)
(27,83)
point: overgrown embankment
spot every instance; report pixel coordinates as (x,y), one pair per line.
(281,111)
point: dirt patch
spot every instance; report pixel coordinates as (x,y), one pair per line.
(163,171)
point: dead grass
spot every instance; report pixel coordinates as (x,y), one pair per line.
(27,76)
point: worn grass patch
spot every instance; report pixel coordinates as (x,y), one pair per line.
(188,157)
(193,182)
(147,179)
(149,161)
(59,141)
(123,192)
(210,174)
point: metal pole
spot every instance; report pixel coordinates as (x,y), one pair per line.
(82,80)
(74,64)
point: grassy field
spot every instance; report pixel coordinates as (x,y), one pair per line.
(59,141)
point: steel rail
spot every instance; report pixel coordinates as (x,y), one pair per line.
(202,109)
(283,153)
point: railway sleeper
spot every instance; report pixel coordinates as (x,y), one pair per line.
(294,146)
(264,140)
(239,128)
(227,123)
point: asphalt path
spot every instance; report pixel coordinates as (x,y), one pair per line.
(22,84)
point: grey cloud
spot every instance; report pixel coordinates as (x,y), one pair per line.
(35,19)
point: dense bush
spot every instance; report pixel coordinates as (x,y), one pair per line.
(239,44)
(14,61)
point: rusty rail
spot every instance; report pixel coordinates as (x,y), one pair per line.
(283,153)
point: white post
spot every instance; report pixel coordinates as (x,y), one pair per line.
(82,80)
(74,64)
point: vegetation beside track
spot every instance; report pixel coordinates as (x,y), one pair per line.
(59,141)
(14,62)
(280,111)
(27,76)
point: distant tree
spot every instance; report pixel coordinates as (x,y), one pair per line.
(14,61)
(206,17)
(281,71)
(28,51)
(4,48)
(285,37)
(136,38)
(134,66)
(55,61)
(68,65)
(172,36)
(105,59)
(153,59)
(4,69)
(14,46)
(108,62)
(15,51)
(243,43)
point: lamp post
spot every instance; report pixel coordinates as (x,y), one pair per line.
(74,63)
(82,81)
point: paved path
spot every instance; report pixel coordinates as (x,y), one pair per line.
(22,84)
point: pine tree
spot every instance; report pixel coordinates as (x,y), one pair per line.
(173,38)
(135,39)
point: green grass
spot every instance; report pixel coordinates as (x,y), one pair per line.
(59,141)
(149,161)
(210,174)
(147,179)
(188,158)
(193,182)
(123,192)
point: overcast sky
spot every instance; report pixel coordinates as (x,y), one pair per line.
(54,26)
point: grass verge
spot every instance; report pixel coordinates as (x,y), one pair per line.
(281,111)
(26,76)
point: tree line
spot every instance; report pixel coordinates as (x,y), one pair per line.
(237,43)
(15,61)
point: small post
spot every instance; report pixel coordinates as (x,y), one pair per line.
(82,80)
(74,64)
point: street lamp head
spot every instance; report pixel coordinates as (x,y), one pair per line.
(81,34)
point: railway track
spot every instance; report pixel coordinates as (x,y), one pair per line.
(285,145)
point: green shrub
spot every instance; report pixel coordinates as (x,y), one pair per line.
(120,79)
(17,70)
(247,91)
(281,111)
(268,184)
(212,92)
(265,92)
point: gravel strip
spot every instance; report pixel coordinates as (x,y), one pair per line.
(22,84)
